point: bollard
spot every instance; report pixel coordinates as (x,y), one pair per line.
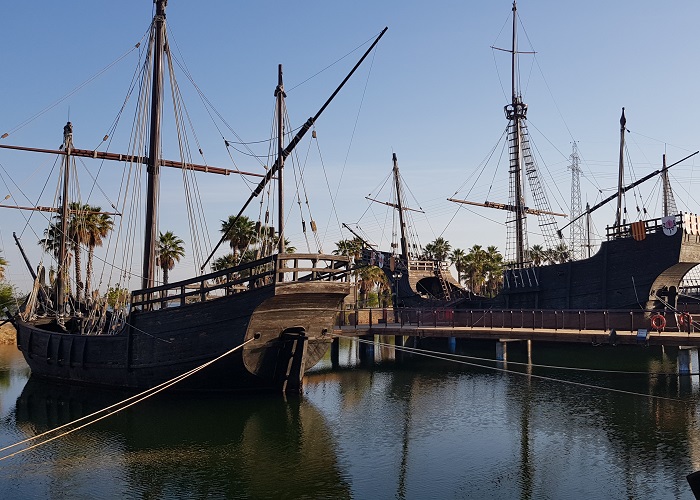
(451,345)
(687,360)
(501,351)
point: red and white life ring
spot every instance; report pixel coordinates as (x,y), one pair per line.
(658,322)
(685,319)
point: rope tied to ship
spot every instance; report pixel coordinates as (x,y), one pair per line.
(115,408)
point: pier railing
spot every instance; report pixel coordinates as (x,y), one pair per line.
(603,320)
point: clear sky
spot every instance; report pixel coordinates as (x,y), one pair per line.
(433,93)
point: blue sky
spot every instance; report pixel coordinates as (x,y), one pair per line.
(433,93)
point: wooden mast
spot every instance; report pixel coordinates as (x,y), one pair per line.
(399,203)
(516,112)
(63,237)
(280,95)
(151,236)
(621,171)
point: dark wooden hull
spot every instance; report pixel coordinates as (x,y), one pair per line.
(165,343)
(623,274)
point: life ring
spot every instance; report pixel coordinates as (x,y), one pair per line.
(658,322)
(685,319)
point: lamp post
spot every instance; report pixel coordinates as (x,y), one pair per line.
(397,276)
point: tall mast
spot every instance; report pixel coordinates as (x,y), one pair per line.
(399,204)
(63,238)
(280,95)
(668,199)
(149,254)
(588,229)
(515,113)
(621,170)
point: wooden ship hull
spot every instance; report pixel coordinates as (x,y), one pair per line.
(288,326)
(625,273)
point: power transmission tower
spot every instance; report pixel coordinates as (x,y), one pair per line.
(577,232)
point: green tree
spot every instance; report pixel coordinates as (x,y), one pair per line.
(117,296)
(537,254)
(372,280)
(239,232)
(221,263)
(97,227)
(349,248)
(3,265)
(493,270)
(458,259)
(170,250)
(353,249)
(74,237)
(560,253)
(439,249)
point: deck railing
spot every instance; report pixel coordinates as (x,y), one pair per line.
(275,270)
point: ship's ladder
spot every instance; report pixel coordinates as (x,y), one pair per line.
(441,278)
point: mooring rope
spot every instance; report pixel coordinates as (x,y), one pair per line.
(137,398)
(444,357)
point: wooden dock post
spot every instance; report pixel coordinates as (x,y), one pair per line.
(529,351)
(335,352)
(687,360)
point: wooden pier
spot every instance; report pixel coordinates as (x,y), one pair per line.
(569,326)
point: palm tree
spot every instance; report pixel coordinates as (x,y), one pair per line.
(372,279)
(288,247)
(476,263)
(494,269)
(561,253)
(458,258)
(228,260)
(170,250)
(75,236)
(537,254)
(3,264)
(438,249)
(239,232)
(353,249)
(350,248)
(97,227)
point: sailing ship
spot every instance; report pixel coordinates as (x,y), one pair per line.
(265,322)
(640,265)
(415,280)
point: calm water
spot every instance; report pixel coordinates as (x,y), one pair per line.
(419,429)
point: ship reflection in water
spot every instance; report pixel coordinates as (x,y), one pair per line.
(418,428)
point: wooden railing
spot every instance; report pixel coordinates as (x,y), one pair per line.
(578,320)
(650,226)
(274,270)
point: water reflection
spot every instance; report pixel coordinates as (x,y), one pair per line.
(178,446)
(400,427)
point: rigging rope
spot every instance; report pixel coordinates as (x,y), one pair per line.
(115,408)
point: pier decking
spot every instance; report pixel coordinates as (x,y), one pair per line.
(590,326)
